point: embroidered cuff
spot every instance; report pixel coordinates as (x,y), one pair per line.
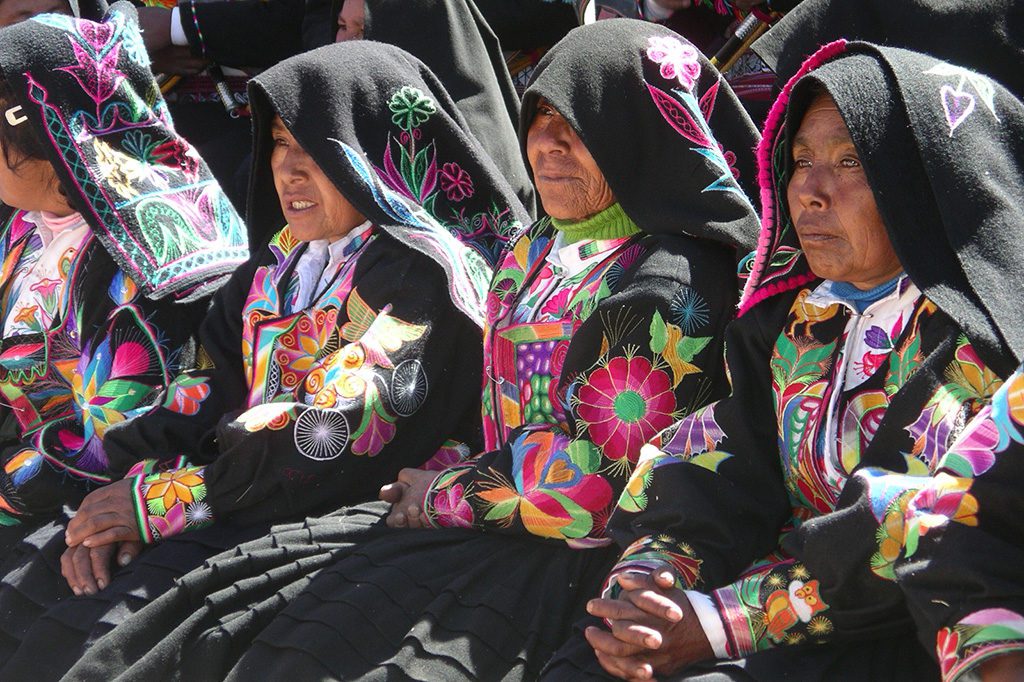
(653,552)
(737,627)
(171,502)
(445,503)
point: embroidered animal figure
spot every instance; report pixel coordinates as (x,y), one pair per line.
(784,608)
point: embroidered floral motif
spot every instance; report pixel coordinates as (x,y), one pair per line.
(170,502)
(411,108)
(456,182)
(557,488)
(678,60)
(623,403)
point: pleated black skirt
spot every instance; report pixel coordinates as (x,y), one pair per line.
(343,597)
(44,628)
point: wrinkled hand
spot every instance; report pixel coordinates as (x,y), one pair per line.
(654,630)
(88,570)
(406,496)
(106,516)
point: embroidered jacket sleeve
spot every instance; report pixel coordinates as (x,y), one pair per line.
(105,365)
(962,570)
(636,364)
(707,497)
(401,379)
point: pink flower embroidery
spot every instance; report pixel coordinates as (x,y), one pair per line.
(456,182)
(678,60)
(453,511)
(624,404)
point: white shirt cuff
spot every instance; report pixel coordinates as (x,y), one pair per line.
(710,621)
(178,36)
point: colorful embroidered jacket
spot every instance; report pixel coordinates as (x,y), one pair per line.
(298,410)
(765,475)
(963,566)
(588,353)
(100,354)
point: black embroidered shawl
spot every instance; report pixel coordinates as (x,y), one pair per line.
(150,199)
(691,182)
(942,147)
(396,146)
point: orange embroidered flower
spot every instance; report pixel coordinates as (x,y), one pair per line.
(174,487)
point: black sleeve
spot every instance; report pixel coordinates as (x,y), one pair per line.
(256,33)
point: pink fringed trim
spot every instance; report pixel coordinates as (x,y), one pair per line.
(775,288)
(772,130)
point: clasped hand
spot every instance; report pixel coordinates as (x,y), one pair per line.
(654,629)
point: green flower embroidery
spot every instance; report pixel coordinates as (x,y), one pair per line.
(411,108)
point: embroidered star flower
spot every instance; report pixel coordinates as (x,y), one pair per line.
(456,183)
(172,487)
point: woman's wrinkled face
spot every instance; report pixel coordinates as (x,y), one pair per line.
(14,11)
(570,184)
(350,20)
(832,205)
(312,205)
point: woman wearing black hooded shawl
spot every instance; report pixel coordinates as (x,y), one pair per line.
(600,331)
(103,285)
(325,366)
(842,403)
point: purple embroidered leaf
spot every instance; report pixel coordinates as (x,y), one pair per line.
(707,101)
(678,117)
(390,175)
(429,178)
(877,338)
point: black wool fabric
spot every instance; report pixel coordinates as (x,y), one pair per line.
(659,178)
(390,138)
(984,35)
(943,149)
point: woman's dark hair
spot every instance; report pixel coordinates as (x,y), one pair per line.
(20,143)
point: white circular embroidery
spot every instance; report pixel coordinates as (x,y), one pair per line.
(321,434)
(408,387)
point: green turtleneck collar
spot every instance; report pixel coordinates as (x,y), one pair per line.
(611,223)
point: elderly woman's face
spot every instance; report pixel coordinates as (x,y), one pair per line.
(570,184)
(312,205)
(833,208)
